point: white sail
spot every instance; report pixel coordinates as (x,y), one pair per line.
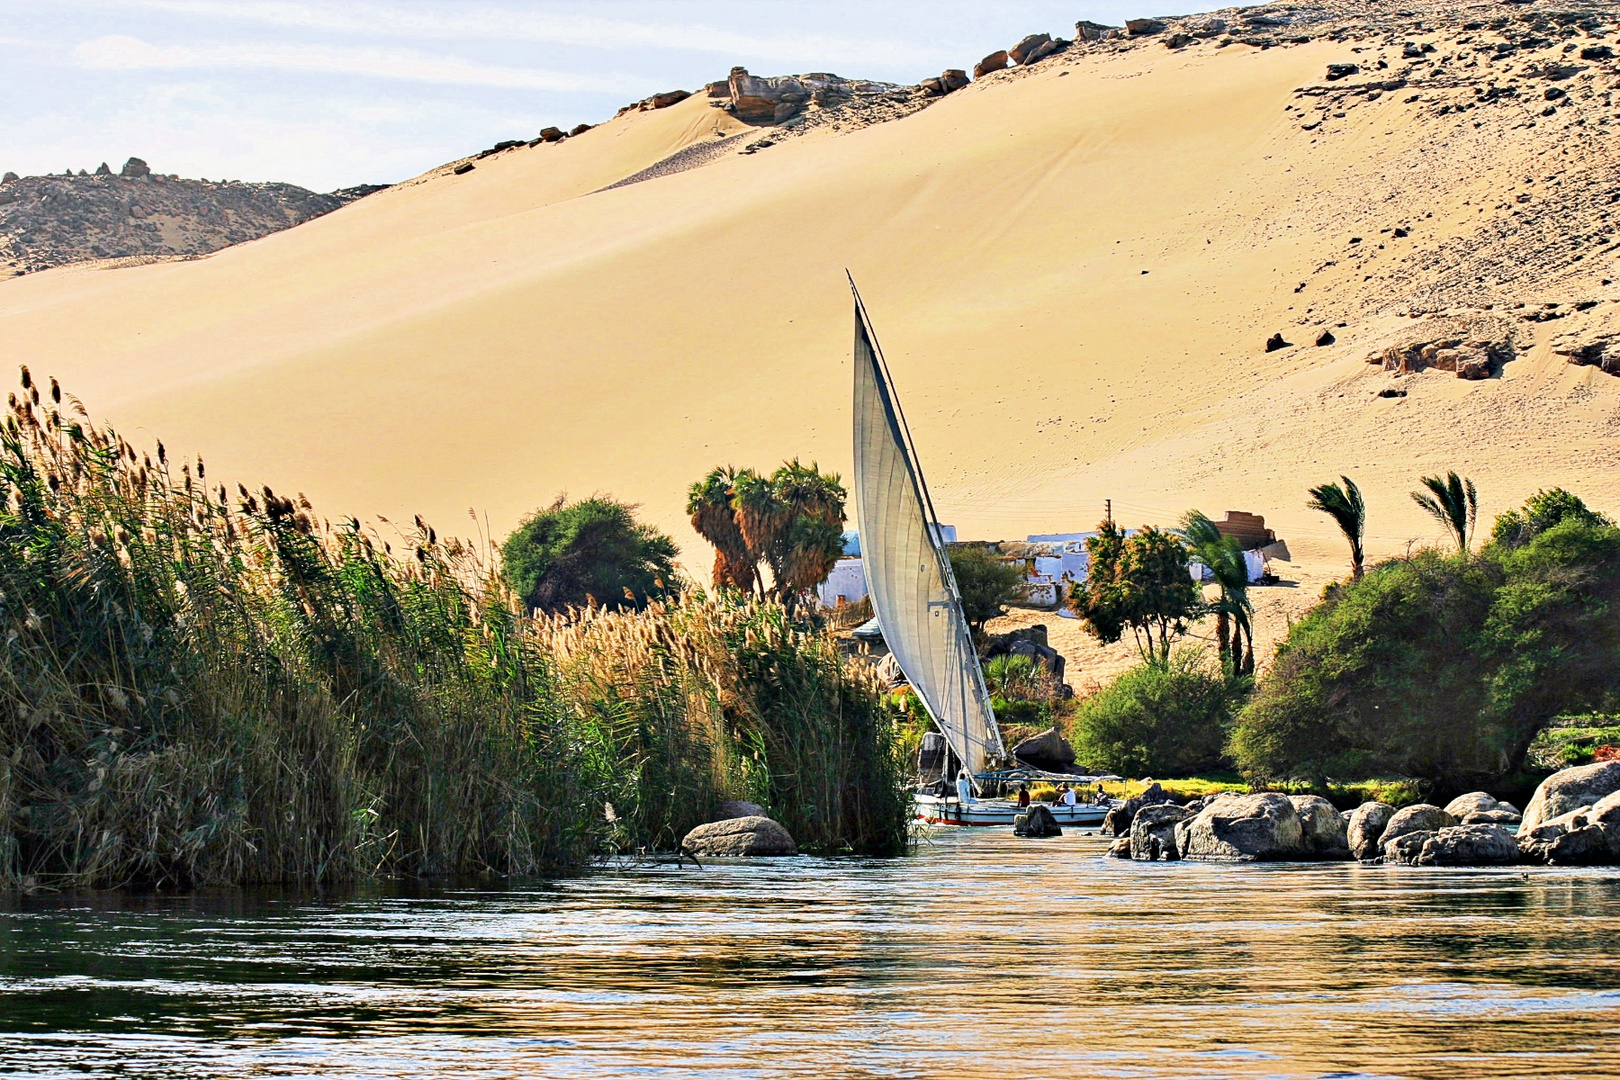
(907,572)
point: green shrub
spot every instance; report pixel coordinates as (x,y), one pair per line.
(1158,719)
(571,555)
(1442,667)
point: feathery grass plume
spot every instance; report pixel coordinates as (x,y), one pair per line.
(192,695)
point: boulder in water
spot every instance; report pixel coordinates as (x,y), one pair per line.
(1118,820)
(1037,823)
(1469,845)
(1570,789)
(1420,817)
(1243,828)
(1322,827)
(1586,835)
(1367,823)
(755,835)
(1153,832)
(1404,850)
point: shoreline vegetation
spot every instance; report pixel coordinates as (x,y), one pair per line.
(212,687)
(206,687)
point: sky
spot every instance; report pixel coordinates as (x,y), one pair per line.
(329,94)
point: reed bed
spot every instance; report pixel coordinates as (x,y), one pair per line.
(203,686)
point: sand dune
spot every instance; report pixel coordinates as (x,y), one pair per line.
(1073,269)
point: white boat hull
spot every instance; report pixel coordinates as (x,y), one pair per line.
(948,811)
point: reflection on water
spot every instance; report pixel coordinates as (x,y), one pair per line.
(982,956)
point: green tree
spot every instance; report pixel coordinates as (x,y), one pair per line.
(1345,506)
(788,526)
(1163,720)
(985,581)
(592,551)
(1138,581)
(1232,609)
(1541,512)
(1443,666)
(1453,503)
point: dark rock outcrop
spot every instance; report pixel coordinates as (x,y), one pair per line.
(1143,27)
(1117,822)
(1047,750)
(1276,341)
(1032,48)
(1404,850)
(135,169)
(1153,832)
(1036,823)
(1086,30)
(996,61)
(740,836)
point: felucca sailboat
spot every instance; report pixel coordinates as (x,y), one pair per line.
(915,599)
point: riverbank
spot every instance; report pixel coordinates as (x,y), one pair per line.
(213,687)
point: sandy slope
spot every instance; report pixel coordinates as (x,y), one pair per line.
(1073,270)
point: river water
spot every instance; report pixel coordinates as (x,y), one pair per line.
(980,956)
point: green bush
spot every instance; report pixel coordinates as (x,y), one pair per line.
(1443,667)
(1158,719)
(593,551)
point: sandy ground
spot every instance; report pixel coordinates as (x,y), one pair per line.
(1073,271)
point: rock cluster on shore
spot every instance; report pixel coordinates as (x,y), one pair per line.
(1574,818)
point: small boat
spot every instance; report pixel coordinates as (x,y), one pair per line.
(938,810)
(916,603)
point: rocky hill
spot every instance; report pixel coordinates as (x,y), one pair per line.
(57,220)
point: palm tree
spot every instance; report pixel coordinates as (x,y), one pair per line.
(1232,609)
(1344,506)
(709,502)
(1453,503)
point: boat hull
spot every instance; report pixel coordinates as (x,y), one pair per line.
(937,811)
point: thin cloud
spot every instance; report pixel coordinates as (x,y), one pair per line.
(119,52)
(493,22)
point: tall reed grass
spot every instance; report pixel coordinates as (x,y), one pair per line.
(205,686)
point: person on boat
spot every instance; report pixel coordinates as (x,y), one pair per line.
(1023,796)
(964,788)
(1065,795)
